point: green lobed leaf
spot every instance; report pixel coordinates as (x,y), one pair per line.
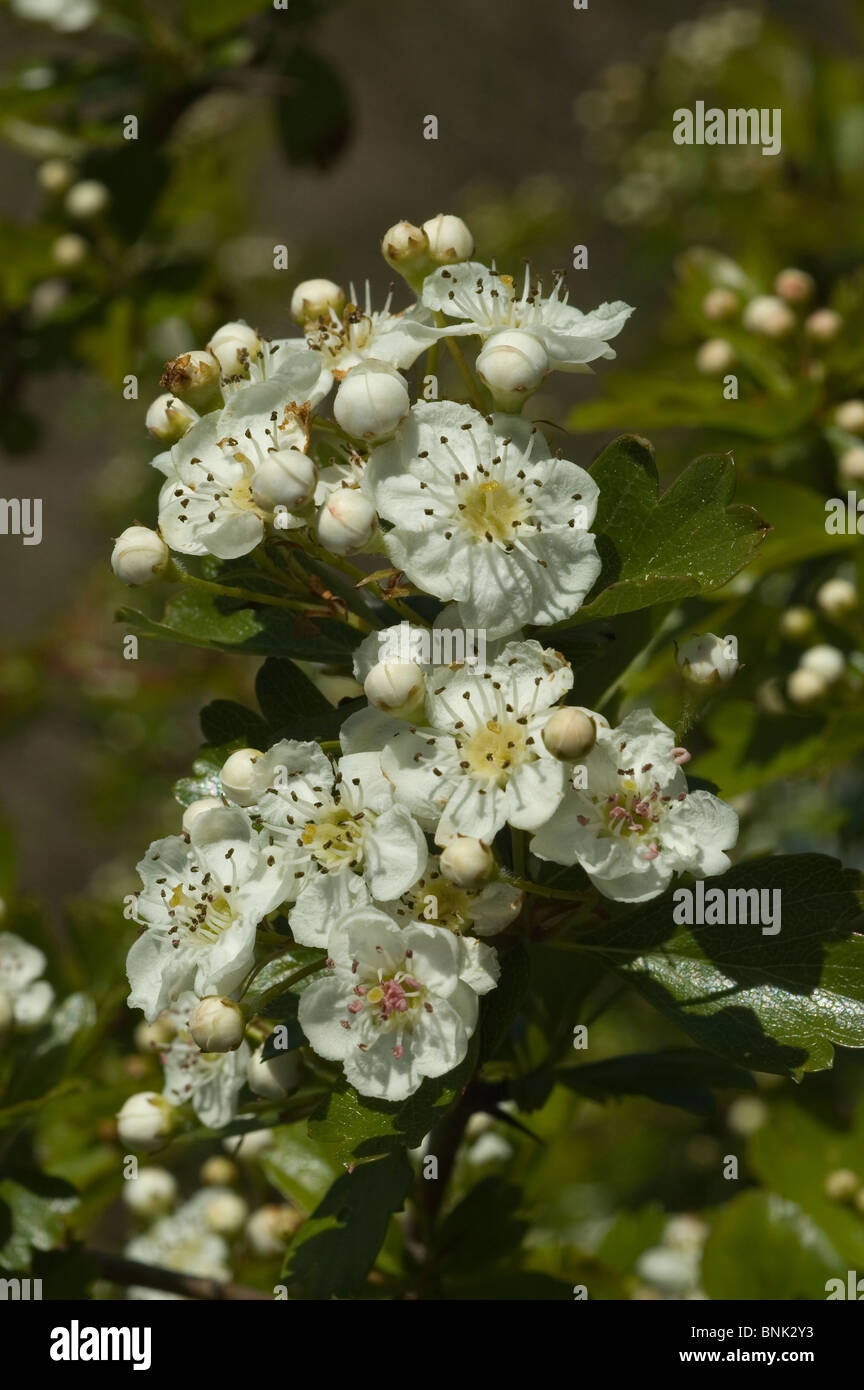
(774,1003)
(285,694)
(685,1077)
(658,549)
(763,1247)
(335,1249)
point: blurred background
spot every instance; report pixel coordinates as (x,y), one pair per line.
(302,128)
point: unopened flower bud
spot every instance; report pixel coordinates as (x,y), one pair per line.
(849,416)
(851,464)
(795,286)
(269,1229)
(837,597)
(139,556)
(275,1077)
(406,247)
(195,808)
(512,364)
(797,623)
(226,1213)
(7,1016)
(238,776)
(569,734)
(823,325)
(397,687)
(217,1024)
(250,1145)
(842,1184)
(152,1193)
(153,1037)
(346,522)
(720,303)
(708,660)
(768,315)
(218,1171)
(466,862)
(715,356)
(805,687)
(87,199)
(285,478)
(313,299)
(168,419)
(69,250)
(235,346)
(449,239)
(55,175)
(372,401)
(194,376)
(824,661)
(146,1122)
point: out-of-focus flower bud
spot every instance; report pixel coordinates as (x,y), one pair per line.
(270,1228)
(146,1122)
(851,464)
(768,315)
(823,325)
(218,1171)
(826,662)
(274,1078)
(805,687)
(797,624)
(69,250)
(55,175)
(715,356)
(795,286)
(720,303)
(87,199)
(152,1193)
(837,597)
(849,416)
(708,660)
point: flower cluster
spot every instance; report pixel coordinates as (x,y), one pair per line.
(392,852)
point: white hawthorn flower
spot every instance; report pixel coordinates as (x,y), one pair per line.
(180,1242)
(398,1006)
(66,16)
(485,515)
(335,821)
(27,998)
(482,762)
(635,824)
(218,477)
(203,895)
(488,303)
(208,1081)
(344,340)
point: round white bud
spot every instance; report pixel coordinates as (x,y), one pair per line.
(512,363)
(449,239)
(823,325)
(274,1078)
(313,299)
(569,734)
(849,416)
(168,418)
(466,862)
(285,478)
(720,303)
(715,356)
(238,776)
(836,597)
(218,1171)
(193,375)
(805,687)
(226,1213)
(397,687)
(346,522)
(235,346)
(768,315)
(195,808)
(795,286)
(151,1193)
(708,660)
(146,1121)
(69,250)
(139,556)
(842,1184)
(405,246)
(55,175)
(797,623)
(153,1037)
(87,199)
(217,1024)
(249,1146)
(269,1229)
(826,662)
(372,401)
(851,465)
